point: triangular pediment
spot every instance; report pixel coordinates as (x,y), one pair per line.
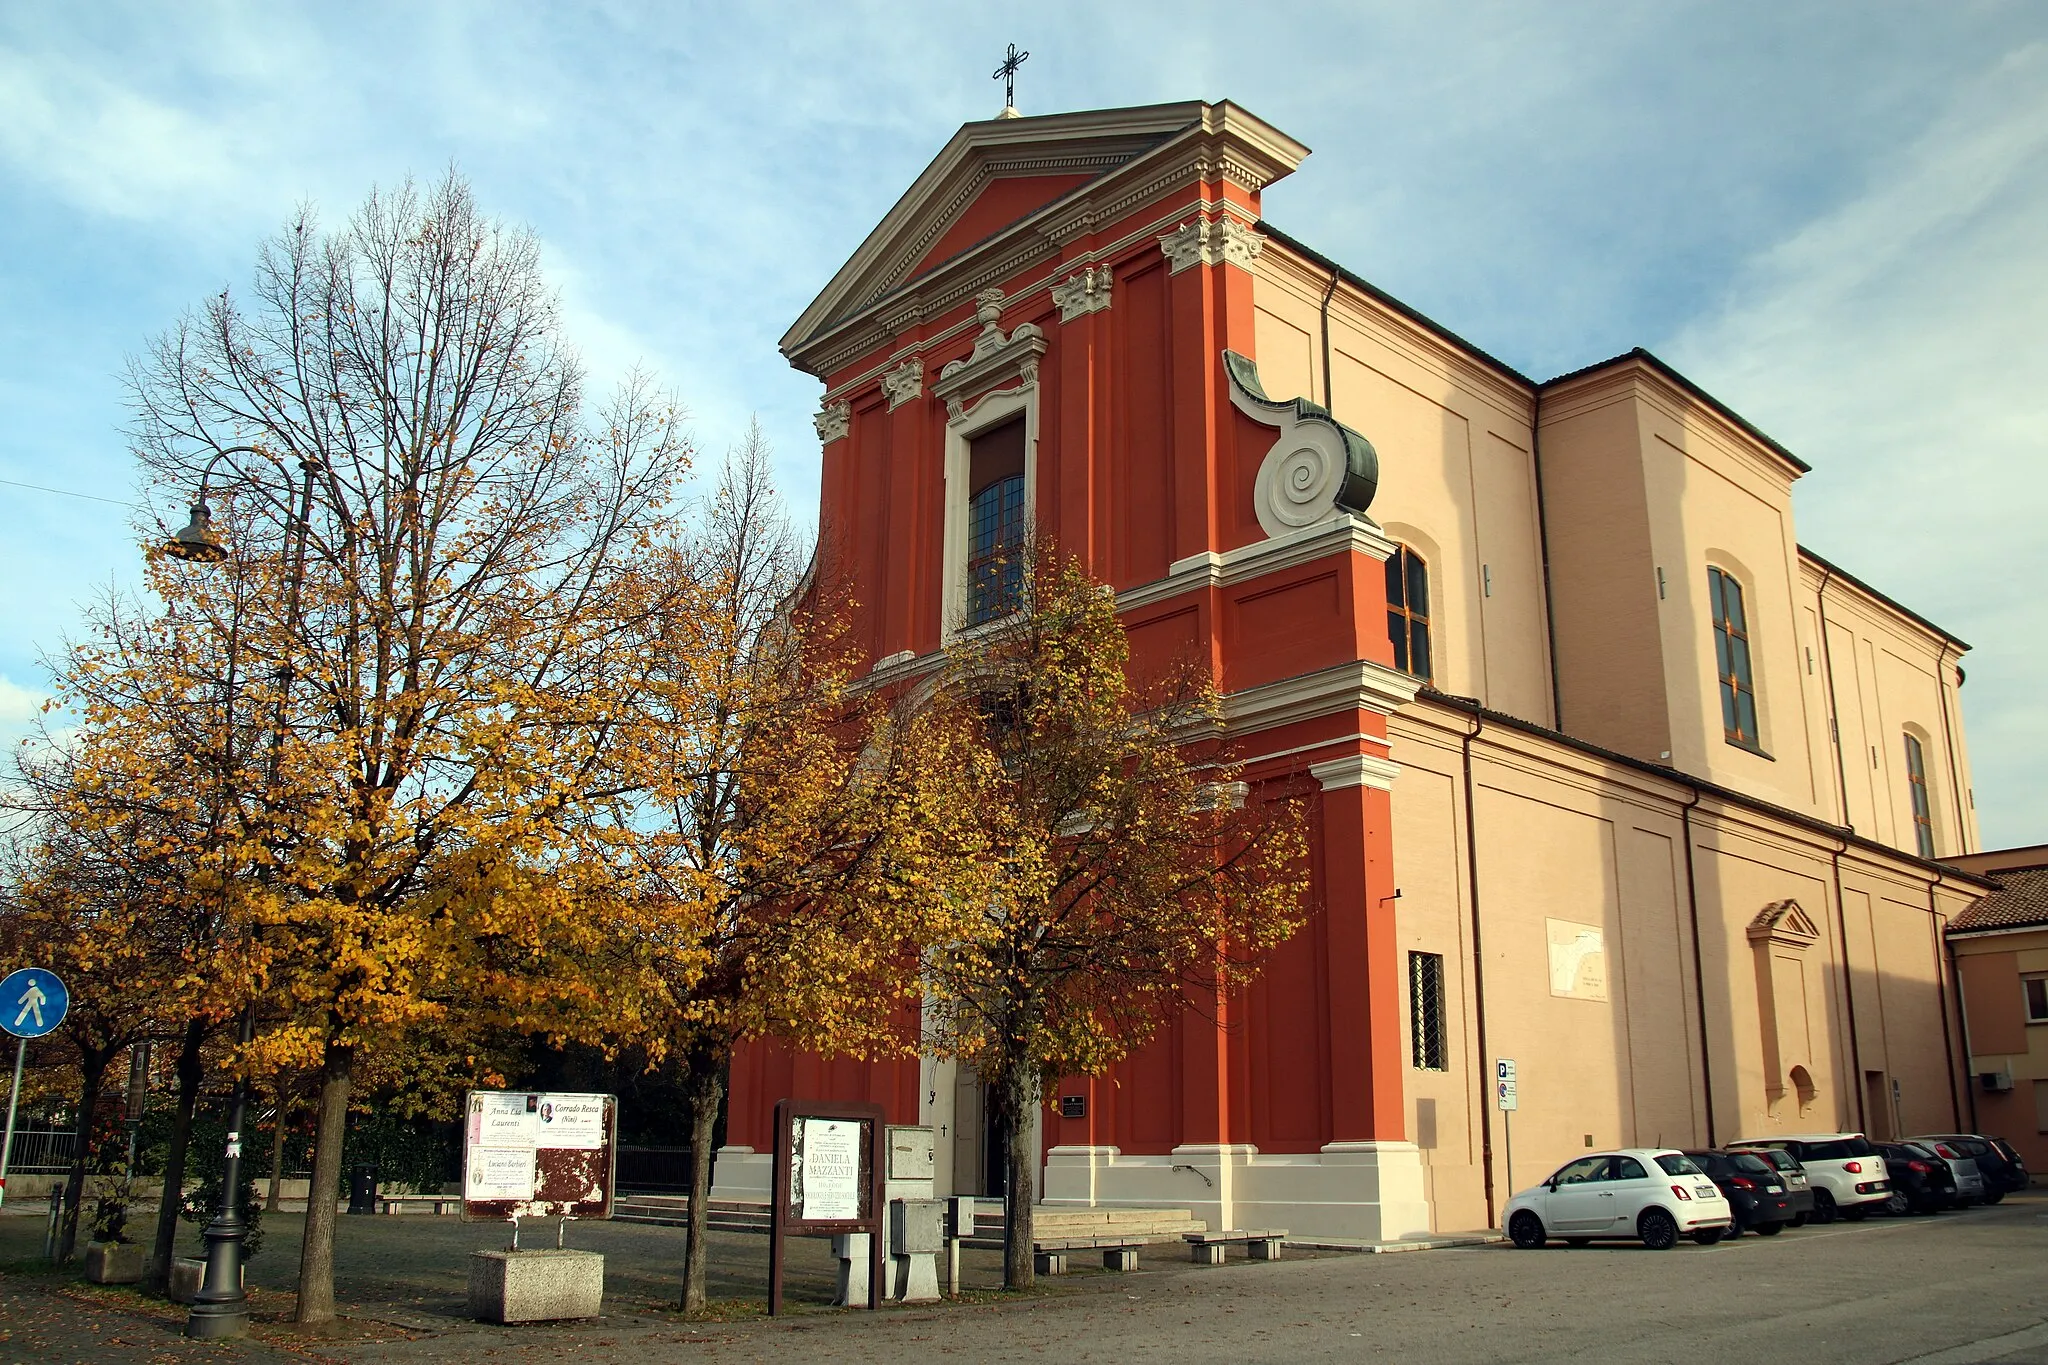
(1783,922)
(995,176)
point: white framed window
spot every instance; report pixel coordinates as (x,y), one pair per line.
(991,503)
(2036,988)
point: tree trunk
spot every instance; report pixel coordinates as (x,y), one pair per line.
(189,1075)
(284,1101)
(316,1254)
(1015,1095)
(707,1088)
(92,1066)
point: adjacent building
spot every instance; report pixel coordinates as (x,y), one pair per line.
(1615,780)
(2000,946)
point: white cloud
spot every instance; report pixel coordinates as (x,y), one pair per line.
(1896,342)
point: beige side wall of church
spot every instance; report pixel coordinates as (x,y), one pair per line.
(1575,849)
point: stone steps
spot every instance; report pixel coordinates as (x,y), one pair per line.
(673,1210)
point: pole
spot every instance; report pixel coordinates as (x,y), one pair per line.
(1507,1132)
(13,1099)
(221,1307)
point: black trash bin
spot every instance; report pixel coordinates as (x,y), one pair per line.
(362,1189)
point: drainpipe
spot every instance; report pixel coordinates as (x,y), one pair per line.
(1699,974)
(1948,1047)
(1849,981)
(1948,740)
(1827,663)
(1963,1018)
(1328,294)
(1479,972)
(1543,545)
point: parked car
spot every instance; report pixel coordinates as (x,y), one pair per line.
(1655,1195)
(1847,1174)
(1753,1188)
(1798,1188)
(1921,1181)
(1970,1187)
(1997,1162)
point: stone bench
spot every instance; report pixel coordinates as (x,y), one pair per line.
(1208,1248)
(397,1203)
(1118,1253)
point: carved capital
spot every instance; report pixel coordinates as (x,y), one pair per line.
(903,383)
(832,422)
(1211,241)
(1087,292)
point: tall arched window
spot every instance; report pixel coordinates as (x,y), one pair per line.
(1916,787)
(995,522)
(1408,611)
(1731,659)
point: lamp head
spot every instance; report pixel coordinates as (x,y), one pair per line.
(196,541)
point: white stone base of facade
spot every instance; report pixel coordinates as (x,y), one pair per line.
(741,1175)
(1367,1191)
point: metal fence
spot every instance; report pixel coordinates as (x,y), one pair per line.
(655,1170)
(41,1151)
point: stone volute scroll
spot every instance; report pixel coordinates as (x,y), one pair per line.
(996,359)
(1317,470)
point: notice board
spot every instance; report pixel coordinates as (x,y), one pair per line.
(538,1154)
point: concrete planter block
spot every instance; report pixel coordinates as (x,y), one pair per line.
(535,1286)
(113,1262)
(187,1274)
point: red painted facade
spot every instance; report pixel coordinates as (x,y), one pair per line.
(1143,462)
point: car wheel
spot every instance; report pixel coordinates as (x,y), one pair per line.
(1823,1207)
(1706,1237)
(1525,1230)
(1769,1229)
(1658,1229)
(1856,1213)
(1898,1205)
(1578,1241)
(1799,1220)
(1994,1198)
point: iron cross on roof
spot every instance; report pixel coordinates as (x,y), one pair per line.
(1007,74)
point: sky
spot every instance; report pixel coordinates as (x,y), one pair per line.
(1830,216)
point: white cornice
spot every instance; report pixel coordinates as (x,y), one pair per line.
(1355,770)
(1210,569)
(1360,685)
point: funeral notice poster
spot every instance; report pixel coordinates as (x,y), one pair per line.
(830,1170)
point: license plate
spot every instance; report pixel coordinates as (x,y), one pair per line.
(1704,1191)
(1773,1189)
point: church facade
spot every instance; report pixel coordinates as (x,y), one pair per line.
(1613,779)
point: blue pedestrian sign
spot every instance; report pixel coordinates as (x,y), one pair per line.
(32,1002)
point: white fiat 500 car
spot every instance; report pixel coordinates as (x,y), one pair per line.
(1650,1194)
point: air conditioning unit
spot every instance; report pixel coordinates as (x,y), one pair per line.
(1995,1082)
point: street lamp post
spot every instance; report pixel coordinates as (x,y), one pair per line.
(221,1306)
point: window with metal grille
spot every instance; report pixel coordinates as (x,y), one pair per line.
(1426,1050)
(995,522)
(1916,787)
(1408,611)
(1731,659)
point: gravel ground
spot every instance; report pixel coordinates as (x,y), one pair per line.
(1947,1290)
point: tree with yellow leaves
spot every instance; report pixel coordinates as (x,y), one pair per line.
(1124,877)
(445,661)
(780,849)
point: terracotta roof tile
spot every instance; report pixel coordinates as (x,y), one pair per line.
(2021,899)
